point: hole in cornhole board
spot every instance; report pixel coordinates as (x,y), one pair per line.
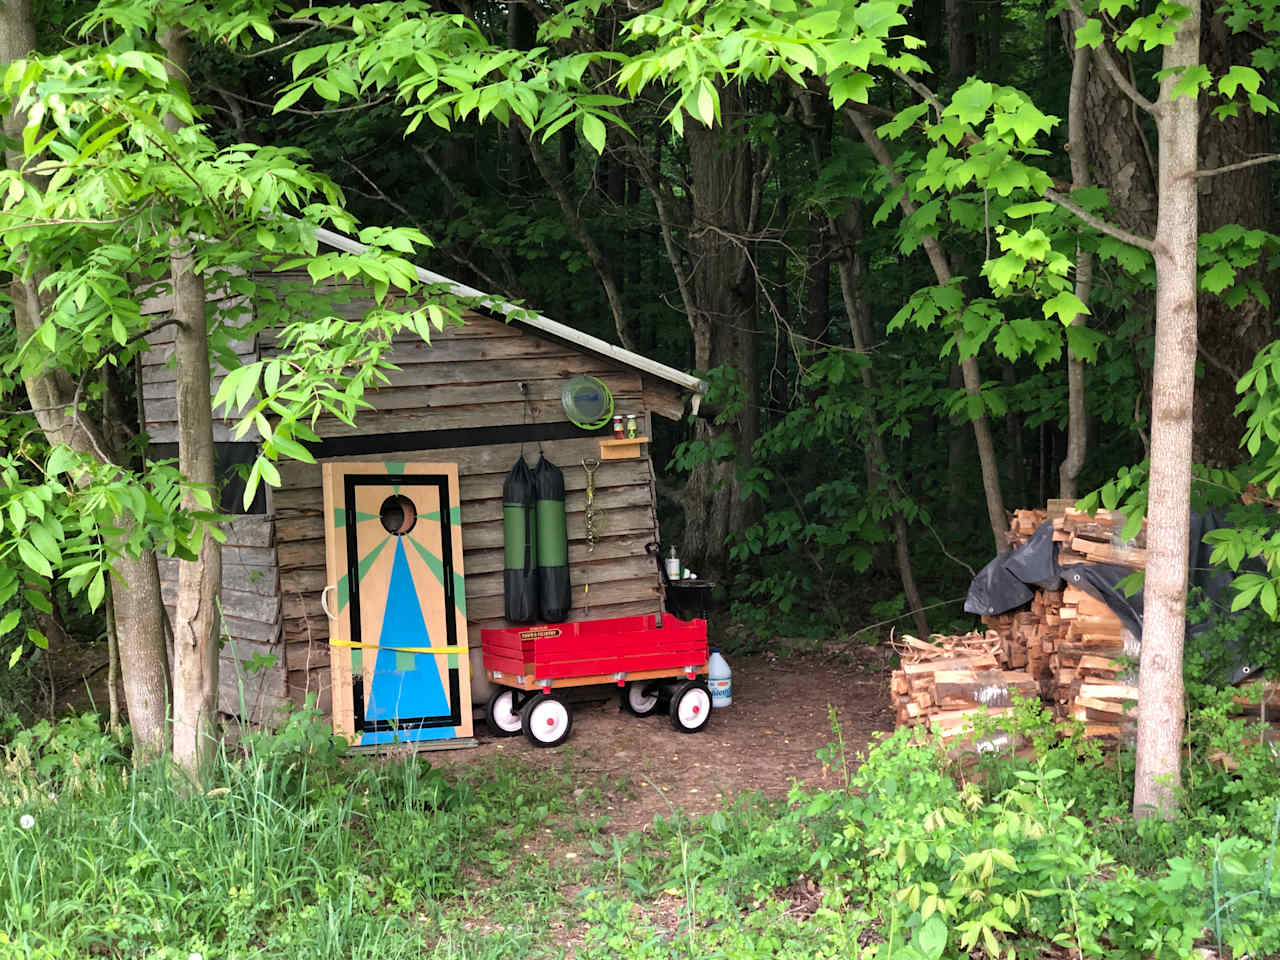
(398,514)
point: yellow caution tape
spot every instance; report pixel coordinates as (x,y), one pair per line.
(374,646)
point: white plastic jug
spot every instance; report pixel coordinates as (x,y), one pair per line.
(720,680)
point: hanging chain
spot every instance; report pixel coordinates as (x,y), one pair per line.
(590,465)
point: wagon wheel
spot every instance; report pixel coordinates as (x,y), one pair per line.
(502,713)
(546,720)
(690,706)
(640,698)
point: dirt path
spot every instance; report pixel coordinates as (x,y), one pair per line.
(765,741)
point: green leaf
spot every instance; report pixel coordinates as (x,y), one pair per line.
(37,638)
(1189,84)
(876,19)
(1239,76)
(325,88)
(708,103)
(1090,35)
(855,87)
(34,559)
(38,600)
(290,97)
(97,590)
(1066,305)
(971,102)
(15,657)
(594,132)
(44,541)
(932,937)
(61,459)
(1017,210)
(1218,277)
(9,621)
(1267,597)
(268,471)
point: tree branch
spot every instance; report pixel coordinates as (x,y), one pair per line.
(1109,65)
(604,269)
(668,233)
(1110,229)
(1256,161)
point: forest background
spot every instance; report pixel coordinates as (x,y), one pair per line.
(916,251)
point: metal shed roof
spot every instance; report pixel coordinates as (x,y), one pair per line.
(536,321)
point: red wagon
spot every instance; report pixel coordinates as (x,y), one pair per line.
(653,659)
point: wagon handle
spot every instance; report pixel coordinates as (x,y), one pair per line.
(323,604)
(654,549)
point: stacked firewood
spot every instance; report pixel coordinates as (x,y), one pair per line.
(1075,648)
(1070,641)
(947,682)
(1024,524)
(1097,539)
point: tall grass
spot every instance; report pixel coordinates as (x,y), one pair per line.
(286,849)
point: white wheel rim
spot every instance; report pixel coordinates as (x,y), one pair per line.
(548,720)
(637,700)
(506,718)
(694,708)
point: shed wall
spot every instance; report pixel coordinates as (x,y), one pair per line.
(486,374)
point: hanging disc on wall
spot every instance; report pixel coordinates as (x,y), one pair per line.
(587,402)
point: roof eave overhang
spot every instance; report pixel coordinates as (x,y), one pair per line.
(535,321)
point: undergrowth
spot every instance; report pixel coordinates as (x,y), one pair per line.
(289,849)
(917,858)
(292,849)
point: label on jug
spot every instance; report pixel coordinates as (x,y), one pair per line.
(721,692)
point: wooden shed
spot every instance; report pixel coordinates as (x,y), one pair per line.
(479,397)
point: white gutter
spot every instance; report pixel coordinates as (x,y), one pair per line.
(536,320)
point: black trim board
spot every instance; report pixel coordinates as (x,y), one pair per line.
(358,446)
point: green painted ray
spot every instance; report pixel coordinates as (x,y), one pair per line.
(395,467)
(455,515)
(339,518)
(437,569)
(357,661)
(343,592)
(430,559)
(459,594)
(362,517)
(371,556)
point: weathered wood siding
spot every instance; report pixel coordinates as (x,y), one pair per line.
(251,662)
(471,378)
(159,375)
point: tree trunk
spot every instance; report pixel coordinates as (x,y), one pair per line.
(138,608)
(851,271)
(196,623)
(1160,716)
(962,40)
(113,667)
(1118,151)
(1230,337)
(969,371)
(723,291)
(1078,152)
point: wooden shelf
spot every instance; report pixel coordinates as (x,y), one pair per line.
(628,448)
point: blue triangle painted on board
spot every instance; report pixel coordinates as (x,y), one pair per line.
(415,692)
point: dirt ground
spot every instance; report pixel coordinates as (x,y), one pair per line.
(766,740)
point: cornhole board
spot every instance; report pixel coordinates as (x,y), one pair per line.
(398,644)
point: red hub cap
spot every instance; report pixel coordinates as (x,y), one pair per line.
(696,709)
(551,721)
